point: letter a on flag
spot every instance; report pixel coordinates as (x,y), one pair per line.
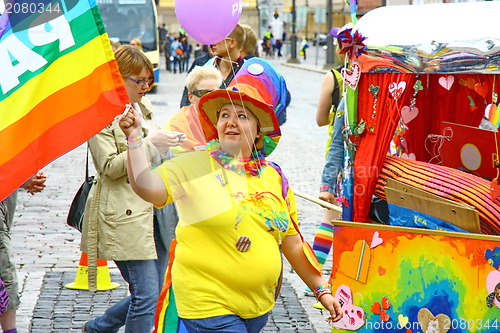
(59,83)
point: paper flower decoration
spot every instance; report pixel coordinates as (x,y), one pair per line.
(352,44)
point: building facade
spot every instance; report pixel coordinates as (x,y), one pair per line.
(166,15)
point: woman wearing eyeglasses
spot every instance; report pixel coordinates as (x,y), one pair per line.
(200,81)
(118,224)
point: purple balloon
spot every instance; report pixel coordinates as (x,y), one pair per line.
(208,21)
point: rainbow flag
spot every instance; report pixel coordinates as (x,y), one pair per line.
(59,83)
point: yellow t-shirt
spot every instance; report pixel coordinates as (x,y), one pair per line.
(210,276)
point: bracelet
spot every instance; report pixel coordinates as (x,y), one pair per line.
(321,291)
(135,146)
(137,138)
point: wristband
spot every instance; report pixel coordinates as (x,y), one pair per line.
(321,291)
(137,138)
(136,145)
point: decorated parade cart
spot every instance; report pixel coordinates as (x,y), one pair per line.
(421,140)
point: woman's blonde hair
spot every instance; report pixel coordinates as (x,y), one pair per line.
(132,61)
(202,73)
(138,43)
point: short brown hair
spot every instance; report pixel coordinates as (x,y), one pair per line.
(132,61)
(250,44)
(239,35)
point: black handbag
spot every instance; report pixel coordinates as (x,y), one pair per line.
(77,208)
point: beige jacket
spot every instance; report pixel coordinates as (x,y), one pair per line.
(117,224)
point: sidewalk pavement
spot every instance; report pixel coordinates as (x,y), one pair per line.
(47,253)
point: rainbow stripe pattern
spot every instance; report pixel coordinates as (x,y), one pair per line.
(494,115)
(448,183)
(59,83)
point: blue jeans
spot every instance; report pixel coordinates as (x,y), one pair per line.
(226,324)
(136,311)
(335,158)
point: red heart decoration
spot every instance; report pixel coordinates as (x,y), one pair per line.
(482,89)
(385,303)
(495,189)
(381,271)
(384,316)
(354,139)
(409,331)
(376,308)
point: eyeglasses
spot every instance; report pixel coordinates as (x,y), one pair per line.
(142,82)
(200,93)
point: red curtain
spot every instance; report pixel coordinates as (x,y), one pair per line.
(463,103)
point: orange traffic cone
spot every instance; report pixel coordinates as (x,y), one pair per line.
(103,277)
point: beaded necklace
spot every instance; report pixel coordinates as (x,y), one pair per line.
(251,165)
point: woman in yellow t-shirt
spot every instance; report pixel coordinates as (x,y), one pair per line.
(236,214)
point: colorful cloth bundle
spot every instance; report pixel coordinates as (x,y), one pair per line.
(4,298)
(446,182)
(493,114)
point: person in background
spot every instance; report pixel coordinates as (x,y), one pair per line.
(34,184)
(163,34)
(226,57)
(237,215)
(249,48)
(142,33)
(323,238)
(186,56)
(198,51)
(206,56)
(136,42)
(330,111)
(303,47)
(118,225)
(175,51)
(168,54)
(227,54)
(200,81)
(114,44)
(279,45)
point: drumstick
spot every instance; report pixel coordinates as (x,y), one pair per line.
(318,201)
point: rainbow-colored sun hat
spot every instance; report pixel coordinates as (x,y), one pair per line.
(259,88)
